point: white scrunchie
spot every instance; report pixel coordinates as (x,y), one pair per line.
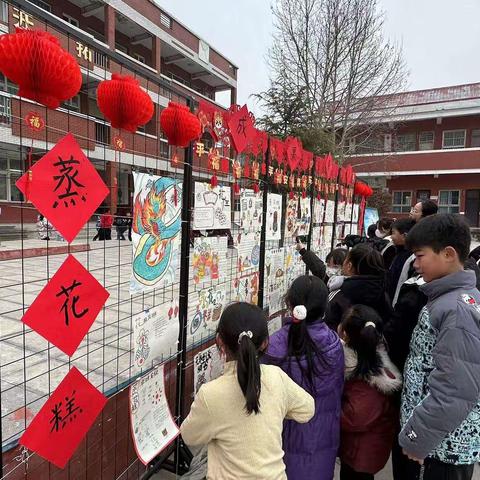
(300,313)
(370,324)
(248,334)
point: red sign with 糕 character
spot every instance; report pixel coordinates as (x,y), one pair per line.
(65,309)
(64,419)
(65,187)
(241,129)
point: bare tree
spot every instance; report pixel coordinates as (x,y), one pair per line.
(337,70)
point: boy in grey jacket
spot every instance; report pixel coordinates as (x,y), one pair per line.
(440,414)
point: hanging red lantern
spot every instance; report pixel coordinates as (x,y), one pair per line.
(256,188)
(124,103)
(179,124)
(41,68)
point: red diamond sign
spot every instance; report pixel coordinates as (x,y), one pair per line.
(64,419)
(65,187)
(65,309)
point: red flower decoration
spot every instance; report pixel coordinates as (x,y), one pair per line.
(124,103)
(41,68)
(179,124)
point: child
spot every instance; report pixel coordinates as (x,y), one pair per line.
(334,261)
(364,283)
(311,354)
(369,414)
(440,415)
(240,415)
(402,264)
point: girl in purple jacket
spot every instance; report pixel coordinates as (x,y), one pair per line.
(312,355)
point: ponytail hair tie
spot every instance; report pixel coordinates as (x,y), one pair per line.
(370,324)
(299,313)
(248,334)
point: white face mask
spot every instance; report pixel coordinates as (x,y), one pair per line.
(380,234)
(333,271)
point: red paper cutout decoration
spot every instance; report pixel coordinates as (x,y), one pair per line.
(65,187)
(35,121)
(241,127)
(119,143)
(179,124)
(67,306)
(41,68)
(64,419)
(124,103)
(293,149)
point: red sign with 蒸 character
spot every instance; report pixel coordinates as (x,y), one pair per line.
(65,309)
(242,129)
(64,419)
(65,187)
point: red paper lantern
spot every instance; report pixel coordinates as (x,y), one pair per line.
(124,103)
(41,68)
(179,124)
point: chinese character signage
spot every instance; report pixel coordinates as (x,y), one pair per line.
(65,187)
(64,420)
(65,309)
(241,129)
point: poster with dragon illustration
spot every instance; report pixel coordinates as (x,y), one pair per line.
(206,258)
(292,217)
(156,232)
(245,288)
(212,207)
(207,365)
(274,217)
(251,205)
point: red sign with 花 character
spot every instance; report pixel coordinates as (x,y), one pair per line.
(65,309)
(241,127)
(64,420)
(65,187)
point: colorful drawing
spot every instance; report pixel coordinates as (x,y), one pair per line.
(291,217)
(294,265)
(211,302)
(305,216)
(212,210)
(248,249)
(274,280)
(155,231)
(207,365)
(206,258)
(245,288)
(251,205)
(274,217)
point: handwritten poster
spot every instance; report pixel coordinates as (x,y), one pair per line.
(316,244)
(245,288)
(356,210)
(207,365)
(291,217)
(274,280)
(212,209)
(156,232)
(155,335)
(341,211)
(251,205)
(153,427)
(206,258)
(305,216)
(318,210)
(274,217)
(248,251)
(329,211)
(294,265)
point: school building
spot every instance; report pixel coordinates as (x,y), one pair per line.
(134,37)
(428,148)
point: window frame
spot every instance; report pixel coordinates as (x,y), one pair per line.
(453,131)
(8,173)
(419,198)
(139,58)
(413,135)
(403,207)
(471,138)
(3,11)
(432,132)
(71,20)
(449,205)
(74,106)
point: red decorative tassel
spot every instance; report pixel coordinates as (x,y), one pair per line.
(256,188)
(236,189)
(214,181)
(246,170)
(263,168)
(304,194)
(291,195)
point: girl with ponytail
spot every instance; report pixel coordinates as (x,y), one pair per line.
(240,415)
(369,412)
(312,355)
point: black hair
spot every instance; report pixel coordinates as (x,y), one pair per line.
(429,207)
(371,231)
(366,260)
(403,225)
(364,340)
(237,322)
(337,255)
(440,231)
(385,224)
(312,293)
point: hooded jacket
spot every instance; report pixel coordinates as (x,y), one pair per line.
(369,414)
(440,414)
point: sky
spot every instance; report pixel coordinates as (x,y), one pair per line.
(440,38)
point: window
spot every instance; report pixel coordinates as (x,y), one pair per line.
(425,141)
(138,57)
(102,134)
(100,59)
(3,11)
(73,103)
(7,86)
(121,48)
(165,20)
(41,4)
(71,20)
(10,171)
(475,138)
(402,202)
(449,201)
(5,110)
(454,139)
(406,142)
(423,195)
(372,144)
(164,149)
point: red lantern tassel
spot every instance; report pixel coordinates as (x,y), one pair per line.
(214,181)
(236,189)
(291,195)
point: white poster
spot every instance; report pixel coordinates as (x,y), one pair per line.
(274,280)
(245,288)
(274,217)
(212,207)
(153,427)
(248,251)
(294,266)
(291,217)
(251,205)
(155,335)
(207,365)
(316,244)
(329,211)
(356,211)
(206,257)
(305,216)
(341,212)
(318,210)
(156,232)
